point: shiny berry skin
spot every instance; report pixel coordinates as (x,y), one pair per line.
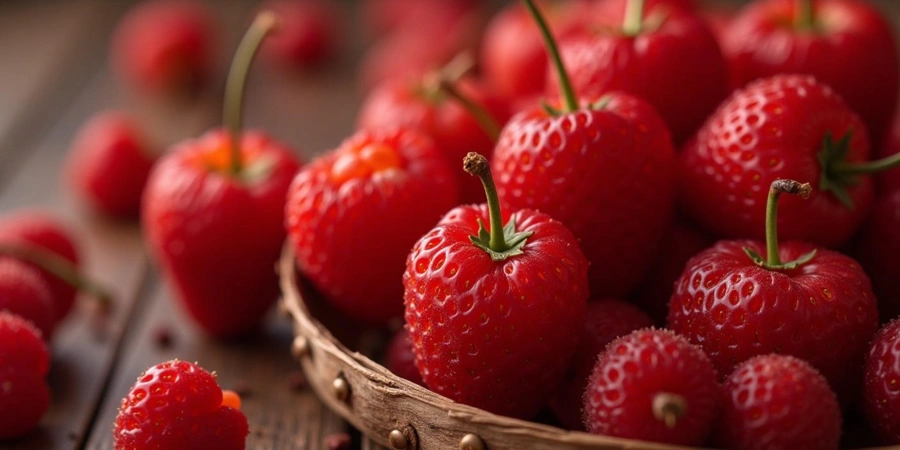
(400,358)
(877,248)
(43,230)
(881,388)
(178,405)
(639,369)
(307,33)
(108,165)
(24,360)
(164,46)
(495,334)
(852,49)
(217,235)
(25,293)
(774,128)
(605,320)
(353,214)
(453,129)
(735,309)
(606,173)
(675,66)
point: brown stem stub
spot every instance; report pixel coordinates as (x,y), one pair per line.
(476,164)
(792,187)
(668,408)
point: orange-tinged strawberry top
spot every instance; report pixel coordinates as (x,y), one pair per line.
(231,398)
(365,161)
(217,157)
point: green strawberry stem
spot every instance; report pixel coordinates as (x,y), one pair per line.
(879,165)
(773,257)
(634,18)
(502,241)
(236,83)
(59,267)
(668,408)
(805,20)
(565,84)
(478,112)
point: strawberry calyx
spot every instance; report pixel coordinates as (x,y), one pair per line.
(501,241)
(567,92)
(804,19)
(773,260)
(668,408)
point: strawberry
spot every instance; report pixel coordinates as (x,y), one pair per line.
(776,402)
(213,210)
(108,164)
(882,377)
(845,44)
(179,405)
(665,55)
(24,360)
(877,248)
(652,385)
(489,312)
(25,293)
(606,320)
(577,166)
(375,195)
(164,46)
(307,35)
(787,126)
(736,305)
(400,358)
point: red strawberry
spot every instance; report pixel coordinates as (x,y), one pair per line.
(489,313)
(736,305)
(213,214)
(400,358)
(24,359)
(788,126)
(307,35)
(845,44)
(882,383)
(426,107)
(652,385)
(662,54)
(25,293)
(178,405)
(374,196)
(606,320)
(878,250)
(164,46)
(776,402)
(108,164)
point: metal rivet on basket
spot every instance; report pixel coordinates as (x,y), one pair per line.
(398,440)
(341,388)
(300,347)
(471,442)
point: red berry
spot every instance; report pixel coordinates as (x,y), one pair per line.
(24,359)
(878,250)
(108,165)
(776,402)
(779,127)
(25,293)
(605,321)
(889,181)
(307,33)
(400,358)
(177,404)
(652,385)
(353,214)
(882,383)
(845,44)
(40,229)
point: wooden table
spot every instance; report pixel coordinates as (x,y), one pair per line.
(54,75)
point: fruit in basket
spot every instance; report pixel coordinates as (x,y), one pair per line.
(665,55)
(777,402)
(490,309)
(179,405)
(400,358)
(164,46)
(307,36)
(739,299)
(845,44)
(882,383)
(109,163)
(353,214)
(213,212)
(24,360)
(605,320)
(652,385)
(25,293)
(877,248)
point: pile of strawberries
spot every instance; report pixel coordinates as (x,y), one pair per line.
(625,270)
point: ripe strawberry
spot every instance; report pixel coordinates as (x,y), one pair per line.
(877,248)
(776,402)
(108,165)
(665,55)
(654,386)
(25,293)
(178,405)
(882,383)
(400,358)
(374,196)
(788,126)
(845,44)
(213,213)
(489,312)
(164,46)
(736,305)
(606,320)
(307,35)
(24,360)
